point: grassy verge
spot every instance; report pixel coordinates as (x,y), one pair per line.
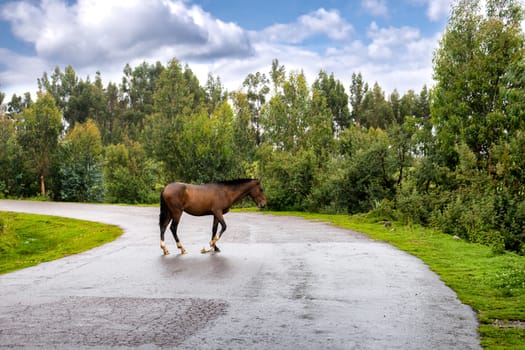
(27,240)
(492,284)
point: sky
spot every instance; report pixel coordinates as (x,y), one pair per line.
(388,42)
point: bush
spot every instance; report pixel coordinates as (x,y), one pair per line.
(129,175)
(383,211)
(413,208)
(288,180)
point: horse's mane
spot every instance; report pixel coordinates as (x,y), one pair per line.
(234,182)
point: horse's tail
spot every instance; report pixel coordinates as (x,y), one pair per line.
(163,209)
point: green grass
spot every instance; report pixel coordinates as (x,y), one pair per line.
(27,240)
(492,284)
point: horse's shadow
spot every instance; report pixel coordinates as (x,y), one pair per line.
(197,265)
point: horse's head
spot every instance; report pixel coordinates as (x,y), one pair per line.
(257,194)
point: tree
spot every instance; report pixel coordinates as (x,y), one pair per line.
(215,93)
(401,139)
(193,145)
(80,168)
(139,85)
(362,176)
(286,119)
(14,176)
(206,147)
(129,176)
(320,133)
(136,96)
(278,75)
(62,86)
(257,91)
(376,112)
(473,68)
(40,126)
(358,89)
(177,93)
(18,104)
(395,103)
(86,102)
(336,99)
(243,129)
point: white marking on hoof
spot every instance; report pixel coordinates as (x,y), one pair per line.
(163,247)
(182,250)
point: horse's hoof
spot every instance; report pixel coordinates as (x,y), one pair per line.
(166,252)
(183,251)
(204,251)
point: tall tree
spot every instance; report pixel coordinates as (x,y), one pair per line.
(473,69)
(243,130)
(180,106)
(177,92)
(61,85)
(358,89)
(336,99)
(286,118)
(215,93)
(376,111)
(257,90)
(40,126)
(278,75)
(18,104)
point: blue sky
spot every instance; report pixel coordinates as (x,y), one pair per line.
(390,42)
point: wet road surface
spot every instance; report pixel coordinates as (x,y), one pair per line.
(279,283)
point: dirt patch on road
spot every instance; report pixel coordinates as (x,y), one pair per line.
(99,321)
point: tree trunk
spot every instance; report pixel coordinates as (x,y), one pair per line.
(42,186)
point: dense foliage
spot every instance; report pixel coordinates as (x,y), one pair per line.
(450,157)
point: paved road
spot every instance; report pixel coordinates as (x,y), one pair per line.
(279,283)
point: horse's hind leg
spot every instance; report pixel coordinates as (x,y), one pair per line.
(173,228)
(214,236)
(164,220)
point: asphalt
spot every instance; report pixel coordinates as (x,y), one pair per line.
(279,283)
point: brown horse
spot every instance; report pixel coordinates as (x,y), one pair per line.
(209,199)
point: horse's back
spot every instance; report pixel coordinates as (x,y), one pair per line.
(194,199)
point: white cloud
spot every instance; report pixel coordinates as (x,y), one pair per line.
(101,30)
(328,23)
(397,58)
(375,7)
(101,35)
(20,73)
(438,9)
(387,40)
